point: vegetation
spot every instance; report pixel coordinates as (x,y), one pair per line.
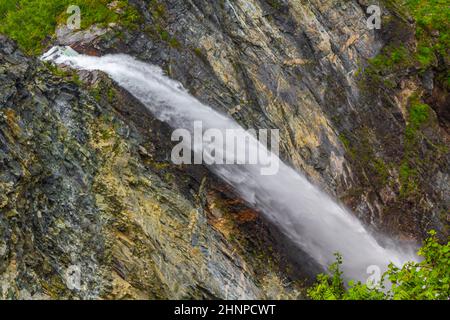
(432,19)
(410,59)
(276,4)
(157,30)
(425,280)
(418,116)
(361,148)
(32,22)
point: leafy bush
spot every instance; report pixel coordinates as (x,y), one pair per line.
(425,280)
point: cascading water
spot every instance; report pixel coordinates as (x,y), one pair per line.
(309,217)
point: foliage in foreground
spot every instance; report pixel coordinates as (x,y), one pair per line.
(425,280)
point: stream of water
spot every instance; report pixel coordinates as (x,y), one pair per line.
(315,222)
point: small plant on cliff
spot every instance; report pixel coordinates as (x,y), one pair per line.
(418,116)
(425,280)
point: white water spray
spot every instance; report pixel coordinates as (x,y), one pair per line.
(309,217)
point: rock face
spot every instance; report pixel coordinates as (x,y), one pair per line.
(299,67)
(92,208)
(87,189)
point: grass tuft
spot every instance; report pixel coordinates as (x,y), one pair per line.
(32,23)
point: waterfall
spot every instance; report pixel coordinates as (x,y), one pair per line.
(309,217)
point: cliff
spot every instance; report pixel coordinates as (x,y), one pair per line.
(86,182)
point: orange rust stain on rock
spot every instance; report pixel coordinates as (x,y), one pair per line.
(246,215)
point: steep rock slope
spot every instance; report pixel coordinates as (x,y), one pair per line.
(86,180)
(302,67)
(91,206)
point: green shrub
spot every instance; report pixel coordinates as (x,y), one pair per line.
(425,280)
(418,114)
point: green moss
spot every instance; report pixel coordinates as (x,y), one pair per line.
(202,56)
(390,61)
(111,94)
(157,30)
(391,57)
(432,24)
(401,60)
(95,92)
(418,117)
(346,143)
(198,52)
(104,92)
(343,138)
(174,43)
(165,36)
(432,19)
(425,56)
(432,16)
(130,17)
(419,113)
(276,4)
(382,169)
(32,22)
(75,78)
(363,153)
(157,9)
(408,179)
(57,71)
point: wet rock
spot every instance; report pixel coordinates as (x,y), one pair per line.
(297,67)
(86,182)
(91,207)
